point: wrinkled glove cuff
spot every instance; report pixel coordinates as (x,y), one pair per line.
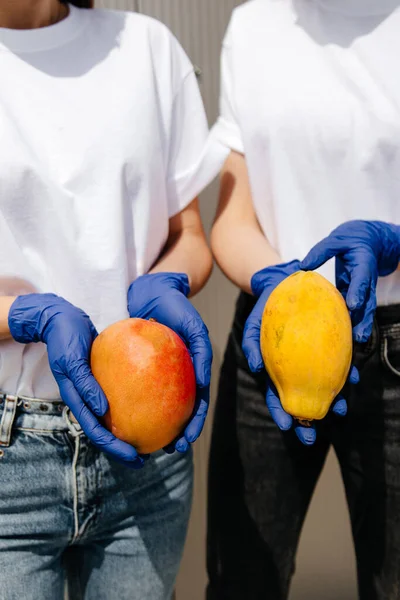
(388,259)
(161,282)
(29,316)
(263,278)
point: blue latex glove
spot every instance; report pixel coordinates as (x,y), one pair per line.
(364,250)
(262,284)
(69,333)
(163,297)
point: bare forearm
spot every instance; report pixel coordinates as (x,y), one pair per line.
(187,253)
(240,251)
(5,305)
(239,246)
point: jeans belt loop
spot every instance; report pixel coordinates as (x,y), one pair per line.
(73,426)
(7,419)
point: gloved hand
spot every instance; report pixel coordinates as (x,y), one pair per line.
(163,297)
(364,250)
(262,284)
(69,333)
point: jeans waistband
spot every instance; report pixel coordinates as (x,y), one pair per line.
(11,407)
(34,405)
(388,315)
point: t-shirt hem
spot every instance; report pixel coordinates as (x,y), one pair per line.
(228,134)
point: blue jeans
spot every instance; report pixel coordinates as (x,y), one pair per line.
(261,480)
(70,514)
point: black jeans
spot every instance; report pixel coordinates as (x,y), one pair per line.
(261,480)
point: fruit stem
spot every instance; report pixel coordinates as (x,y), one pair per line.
(304,422)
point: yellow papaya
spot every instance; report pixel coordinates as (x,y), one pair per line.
(306,343)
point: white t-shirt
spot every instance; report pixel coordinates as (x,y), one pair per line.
(311,95)
(103,138)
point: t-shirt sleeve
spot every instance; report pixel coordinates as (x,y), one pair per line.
(226,130)
(194,158)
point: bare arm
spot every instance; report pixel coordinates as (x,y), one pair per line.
(5,304)
(186,250)
(239,246)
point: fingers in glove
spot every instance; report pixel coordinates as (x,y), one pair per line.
(251,340)
(180,444)
(280,417)
(100,437)
(306,435)
(200,349)
(339,406)
(361,282)
(196,424)
(322,252)
(89,390)
(363,321)
(354,376)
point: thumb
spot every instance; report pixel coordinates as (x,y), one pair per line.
(321,252)
(251,343)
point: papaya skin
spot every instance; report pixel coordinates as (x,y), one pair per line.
(306,344)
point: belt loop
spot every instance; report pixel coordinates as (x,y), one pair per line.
(74,428)
(7,419)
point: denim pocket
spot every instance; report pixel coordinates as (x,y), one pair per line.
(31,416)
(390,348)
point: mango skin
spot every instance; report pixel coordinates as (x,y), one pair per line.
(147,375)
(306,343)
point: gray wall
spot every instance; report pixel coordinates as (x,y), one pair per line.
(325,565)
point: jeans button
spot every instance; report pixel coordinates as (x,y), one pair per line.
(44,407)
(1,453)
